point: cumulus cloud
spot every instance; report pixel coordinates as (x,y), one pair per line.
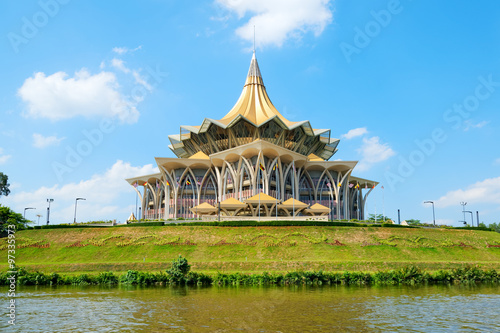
(3,158)
(108,195)
(483,192)
(373,151)
(40,141)
(278,20)
(58,96)
(355,133)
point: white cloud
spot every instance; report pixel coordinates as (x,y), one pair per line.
(373,151)
(276,21)
(58,97)
(140,80)
(483,192)
(355,133)
(120,65)
(3,158)
(470,125)
(108,196)
(123,50)
(40,141)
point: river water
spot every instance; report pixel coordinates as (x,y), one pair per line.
(255,309)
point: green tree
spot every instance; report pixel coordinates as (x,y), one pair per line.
(413,222)
(9,217)
(4,184)
(379,217)
(495,226)
(180,268)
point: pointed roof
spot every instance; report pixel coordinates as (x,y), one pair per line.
(318,208)
(131,217)
(264,198)
(232,203)
(203,208)
(199,156)
(205,205)
(290,203)
(255,107)
(254,104)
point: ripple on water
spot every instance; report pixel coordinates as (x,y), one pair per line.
(258,309)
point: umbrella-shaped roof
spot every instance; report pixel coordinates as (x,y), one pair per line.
(262,198)
(232,203)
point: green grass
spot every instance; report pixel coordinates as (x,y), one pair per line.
(252,249)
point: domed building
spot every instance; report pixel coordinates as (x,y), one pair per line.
(253,163)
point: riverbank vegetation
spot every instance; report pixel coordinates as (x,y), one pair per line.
(179,274)
(252,249)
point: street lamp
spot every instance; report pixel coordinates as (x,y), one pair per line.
(433,213)
(48,209)
(463,203)
(38,215)
(24,215)
(76,202)
(471,216)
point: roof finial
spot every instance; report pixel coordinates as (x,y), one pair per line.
(254,39)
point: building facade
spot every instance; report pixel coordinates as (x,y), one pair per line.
(252,162)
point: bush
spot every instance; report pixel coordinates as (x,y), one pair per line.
(67,226)
(390,225)
(142,224)
(474,228)
(180,272)
(279,223)
(180,268)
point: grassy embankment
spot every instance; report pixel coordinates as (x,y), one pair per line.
(252,249)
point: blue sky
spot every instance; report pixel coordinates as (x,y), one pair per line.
(91,89)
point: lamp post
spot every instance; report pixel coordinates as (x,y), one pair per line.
(463,203)
(471,217)
(76,202)
(433,213)
(48,209)
(38,215)
(25,209)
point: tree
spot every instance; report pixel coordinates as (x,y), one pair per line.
(413,222)
(9,217)
(4,185)
(378,217)
(495,226)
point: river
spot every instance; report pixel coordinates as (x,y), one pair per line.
(255,309)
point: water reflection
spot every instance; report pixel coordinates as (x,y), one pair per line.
(256,309)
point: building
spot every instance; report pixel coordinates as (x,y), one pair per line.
(252,162)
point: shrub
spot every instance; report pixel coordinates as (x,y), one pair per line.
(142,224)
(475,228)
(180,268)
(279,223)
(68,226)
(106,278)
(390,225)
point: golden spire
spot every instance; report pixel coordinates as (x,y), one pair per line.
(254,104)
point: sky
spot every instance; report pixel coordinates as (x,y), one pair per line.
(90,90)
